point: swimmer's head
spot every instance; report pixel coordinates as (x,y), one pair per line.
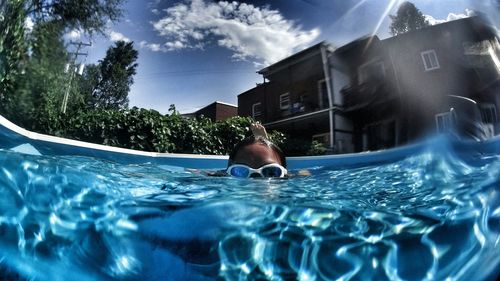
(256,152)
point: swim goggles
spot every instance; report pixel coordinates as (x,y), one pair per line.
(267,171)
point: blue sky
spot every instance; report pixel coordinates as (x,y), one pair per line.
(194,52)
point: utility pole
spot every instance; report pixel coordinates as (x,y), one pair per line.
(72,69)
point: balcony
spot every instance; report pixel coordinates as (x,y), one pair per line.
(365,96)
(296,109)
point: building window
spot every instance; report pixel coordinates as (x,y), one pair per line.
(256,109)
(488,113)
(430,60)
(285,101)
(444,122)
(371,70)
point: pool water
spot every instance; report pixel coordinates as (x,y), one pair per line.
(431,216)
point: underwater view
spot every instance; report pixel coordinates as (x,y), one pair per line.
(434,215)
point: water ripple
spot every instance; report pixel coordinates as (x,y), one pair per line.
(431,216)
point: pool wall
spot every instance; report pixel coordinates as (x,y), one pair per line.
(15,138)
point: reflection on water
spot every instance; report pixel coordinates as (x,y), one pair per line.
(431,216)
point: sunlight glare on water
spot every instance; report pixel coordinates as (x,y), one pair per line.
(430,216)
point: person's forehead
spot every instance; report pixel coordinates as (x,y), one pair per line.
(256,155)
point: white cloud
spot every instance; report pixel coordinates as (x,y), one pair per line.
(117,36)
(175,45)
(450,17)
(151,46)
(168,46)
(252,33)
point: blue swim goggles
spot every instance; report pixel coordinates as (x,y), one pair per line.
(267,171)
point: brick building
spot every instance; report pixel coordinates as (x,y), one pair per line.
(216,111)
(296,96)
(406,87)
(372,94)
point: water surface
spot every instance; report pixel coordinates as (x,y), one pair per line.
(431,216)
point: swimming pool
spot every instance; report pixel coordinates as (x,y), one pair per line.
(428,212)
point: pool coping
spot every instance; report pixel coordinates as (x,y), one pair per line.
(52,145)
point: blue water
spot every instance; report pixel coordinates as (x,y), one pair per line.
(431,216)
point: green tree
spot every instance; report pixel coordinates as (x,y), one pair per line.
(13,49)
(37,98)
(87,15)
(32,61)
(107,84)
(407,18)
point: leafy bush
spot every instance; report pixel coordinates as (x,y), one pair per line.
(317,148)
(301,147)
(149,130)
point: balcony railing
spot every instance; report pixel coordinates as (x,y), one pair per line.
(365,95)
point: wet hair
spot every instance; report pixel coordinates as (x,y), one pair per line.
(252,140)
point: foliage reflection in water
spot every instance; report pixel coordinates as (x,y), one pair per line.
(430,216)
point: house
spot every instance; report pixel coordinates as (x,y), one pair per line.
(408,86)
(372,94)
(296,96)
(216,111)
